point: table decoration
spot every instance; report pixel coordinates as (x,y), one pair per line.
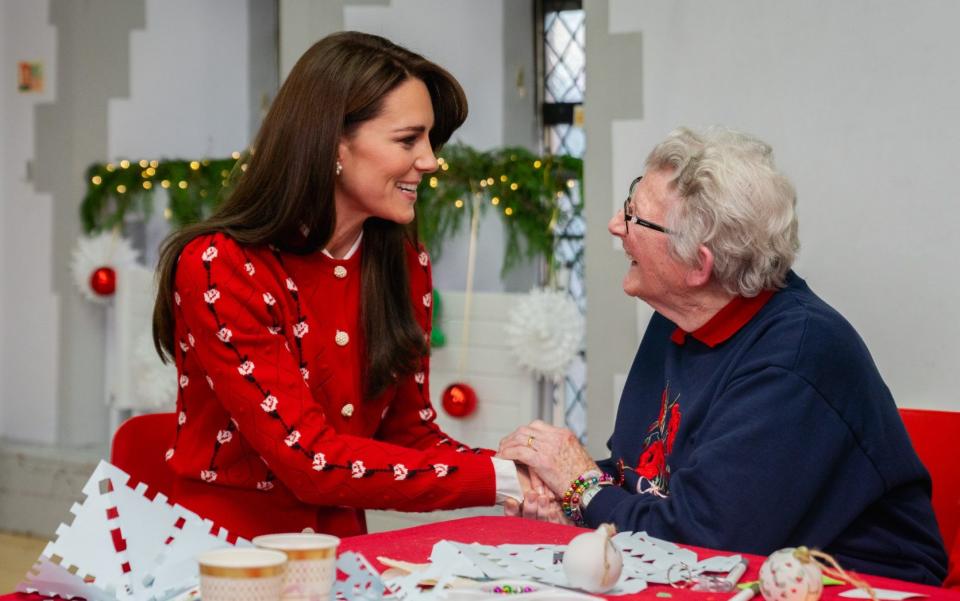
(123,545)
(454,565)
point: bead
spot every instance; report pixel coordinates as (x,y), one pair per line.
(342,338)
(347,410)
(340,271)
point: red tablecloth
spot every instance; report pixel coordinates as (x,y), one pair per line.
(415,544)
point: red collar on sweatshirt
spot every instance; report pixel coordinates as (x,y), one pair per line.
(727,321)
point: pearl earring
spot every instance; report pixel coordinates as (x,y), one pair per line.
(339,168)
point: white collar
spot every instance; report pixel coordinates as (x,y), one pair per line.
(350,253)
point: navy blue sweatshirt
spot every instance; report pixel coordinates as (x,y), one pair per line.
(770,427)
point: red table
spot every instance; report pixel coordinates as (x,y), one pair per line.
(415,544)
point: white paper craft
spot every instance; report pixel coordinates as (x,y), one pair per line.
(122,546)
(645,560)
(881,593)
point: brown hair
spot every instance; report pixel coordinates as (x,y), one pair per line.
(339,83)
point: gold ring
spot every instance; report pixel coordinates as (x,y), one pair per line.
(530,440)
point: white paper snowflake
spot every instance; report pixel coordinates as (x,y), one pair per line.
(545,331)
(154,382)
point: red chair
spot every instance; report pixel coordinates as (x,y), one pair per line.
(139,448)
(934,436)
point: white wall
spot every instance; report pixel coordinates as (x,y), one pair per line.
(463,36)
(5,73)
(859,100)
(28,307)
(189,97)
(188,83)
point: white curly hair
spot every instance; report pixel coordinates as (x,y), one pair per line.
(734,201)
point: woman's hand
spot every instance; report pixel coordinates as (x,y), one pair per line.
(536,507)
(553,454)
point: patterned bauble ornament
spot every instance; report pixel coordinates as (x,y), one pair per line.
(459,399)
(545,331)
(96,261)
(791,575)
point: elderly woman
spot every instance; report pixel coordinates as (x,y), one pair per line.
(753,417)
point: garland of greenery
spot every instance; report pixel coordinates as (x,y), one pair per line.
(522,187)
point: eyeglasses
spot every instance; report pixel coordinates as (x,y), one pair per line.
(628,218)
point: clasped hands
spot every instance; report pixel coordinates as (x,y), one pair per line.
(548,459)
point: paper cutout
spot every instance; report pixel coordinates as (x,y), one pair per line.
(123,546)
(858,593)
(646,560)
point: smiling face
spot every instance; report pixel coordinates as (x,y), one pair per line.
(654,275)
(385,157)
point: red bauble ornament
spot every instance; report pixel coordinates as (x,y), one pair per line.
(103,281)
(459,399)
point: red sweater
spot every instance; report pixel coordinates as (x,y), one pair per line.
(274,433)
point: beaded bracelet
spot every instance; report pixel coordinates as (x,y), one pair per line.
(571,497)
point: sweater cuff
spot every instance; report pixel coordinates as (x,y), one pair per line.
(508,482)
(602,505)
(476,484)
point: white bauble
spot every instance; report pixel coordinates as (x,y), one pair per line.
(791,575)
(592,561)
(545,331)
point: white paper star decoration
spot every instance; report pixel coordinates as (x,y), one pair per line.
(123,546)
(545,331)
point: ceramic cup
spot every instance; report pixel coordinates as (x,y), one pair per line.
(242,574)
(311,563)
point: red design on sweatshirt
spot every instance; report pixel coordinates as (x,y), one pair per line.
(652,466)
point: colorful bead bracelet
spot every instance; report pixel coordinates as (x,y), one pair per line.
(571,497)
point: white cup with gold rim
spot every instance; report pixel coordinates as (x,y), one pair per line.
(242,574)
(311,563)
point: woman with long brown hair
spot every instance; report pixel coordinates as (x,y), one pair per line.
(298,314)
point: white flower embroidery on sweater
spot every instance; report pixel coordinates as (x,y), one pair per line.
(424,259)
(210,382)
(210,254)
(426,414)
(265,485)
(399,472)
(319,461)
(441,469)
(212,295)
(225,334)
(184,380)
(357,469)
(182,418)
(419,377)
(208,475)
(291,286)
(300,329)
(169,454)
(246,368)
(224,436)
(176,297)
(427,299)
(268,299)
(249,267)
(292,438)
(269,403)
